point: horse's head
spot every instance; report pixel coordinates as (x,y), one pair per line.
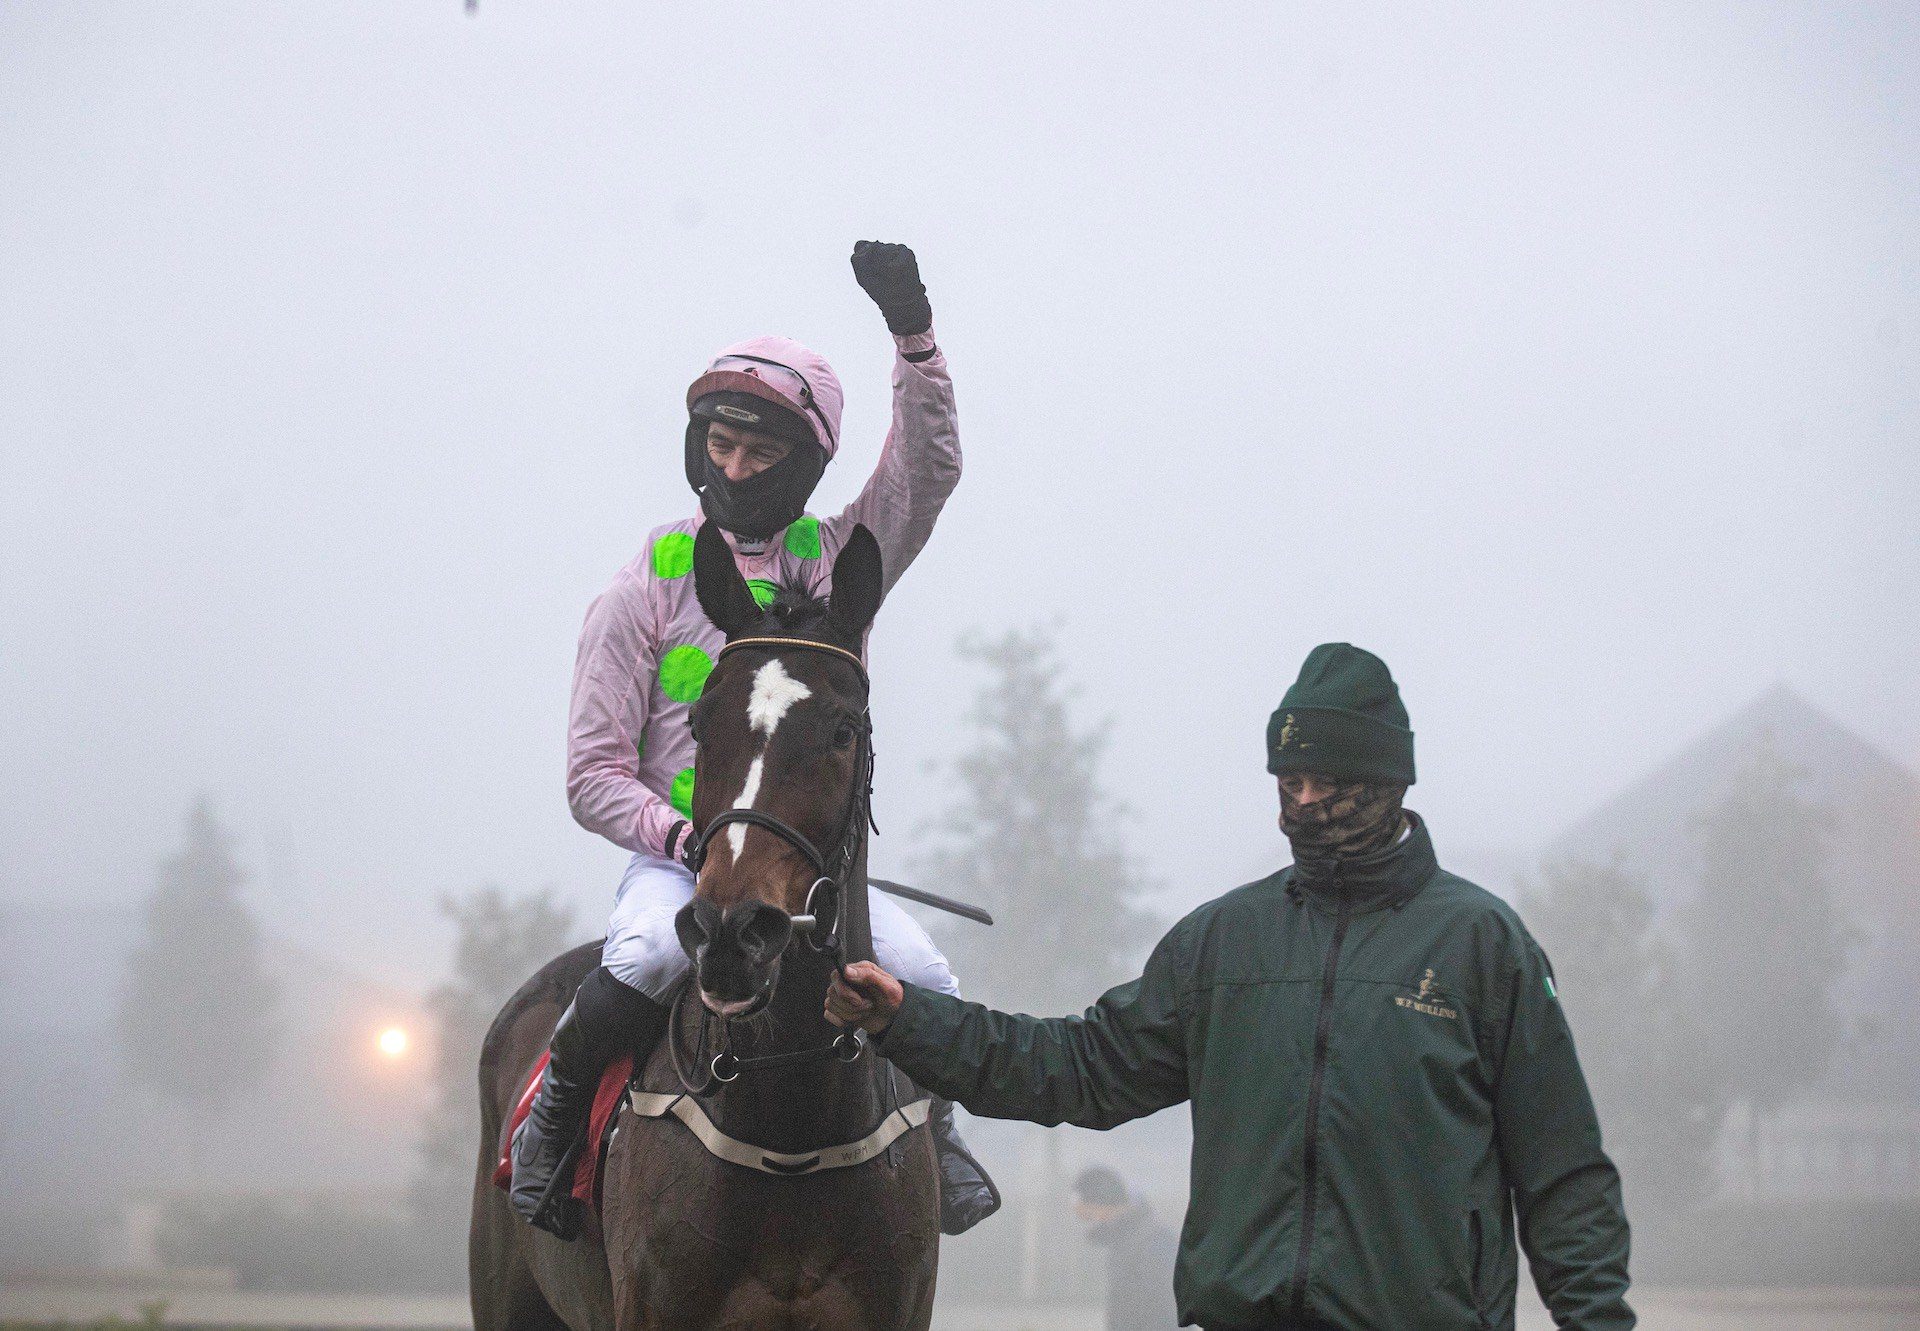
(782,734)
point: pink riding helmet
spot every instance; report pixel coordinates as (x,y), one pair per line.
(785,374)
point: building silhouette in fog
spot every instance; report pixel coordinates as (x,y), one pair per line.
(1855,1134)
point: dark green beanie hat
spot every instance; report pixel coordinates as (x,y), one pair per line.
(1342,718)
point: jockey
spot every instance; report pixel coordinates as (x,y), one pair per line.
(764,421)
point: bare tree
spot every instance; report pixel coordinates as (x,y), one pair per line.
(1033,837)
(1764,940)
(196,1018)
(1660,1105)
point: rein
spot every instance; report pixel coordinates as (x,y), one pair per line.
(819,925)
(723,1066)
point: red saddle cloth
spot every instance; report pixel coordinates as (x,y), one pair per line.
(606,1103)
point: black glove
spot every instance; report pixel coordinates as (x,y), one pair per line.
(891,275)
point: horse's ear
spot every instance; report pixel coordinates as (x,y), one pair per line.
(723,593)
(856,585)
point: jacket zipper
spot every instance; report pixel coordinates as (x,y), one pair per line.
(1322,1034)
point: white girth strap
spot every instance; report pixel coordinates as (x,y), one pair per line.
(650,1104)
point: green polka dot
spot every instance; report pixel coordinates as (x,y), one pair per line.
(763,591)
(803,538)
(681,795)
(684,671)
(673,555)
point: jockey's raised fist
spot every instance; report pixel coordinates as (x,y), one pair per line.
(891,275)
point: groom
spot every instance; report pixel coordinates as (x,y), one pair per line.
(1381,1077)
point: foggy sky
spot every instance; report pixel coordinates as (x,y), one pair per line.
(1566,357)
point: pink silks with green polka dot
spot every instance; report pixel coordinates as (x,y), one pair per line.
(647,648)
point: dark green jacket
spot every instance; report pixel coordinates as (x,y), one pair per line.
(1380,1078)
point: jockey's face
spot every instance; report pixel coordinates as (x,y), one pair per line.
(739,453)
(1306,788)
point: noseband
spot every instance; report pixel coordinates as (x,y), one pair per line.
(820,925)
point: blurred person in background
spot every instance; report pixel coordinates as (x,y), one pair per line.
(1380,1074)
(1139,1252)
(763,422)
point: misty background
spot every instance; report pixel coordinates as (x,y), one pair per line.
(1565,358)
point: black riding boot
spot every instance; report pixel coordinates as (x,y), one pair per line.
(605,1018)
(967,1195)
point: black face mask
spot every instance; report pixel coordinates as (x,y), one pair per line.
(760,506)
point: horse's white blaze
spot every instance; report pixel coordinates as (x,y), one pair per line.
(774,692)
(737,832)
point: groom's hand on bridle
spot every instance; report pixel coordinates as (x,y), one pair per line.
(863,995)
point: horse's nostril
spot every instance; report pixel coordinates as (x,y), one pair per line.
(696,925)
(761,930)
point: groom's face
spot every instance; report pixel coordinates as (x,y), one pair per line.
(1306,788)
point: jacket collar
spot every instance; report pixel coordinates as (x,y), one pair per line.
(1389,878)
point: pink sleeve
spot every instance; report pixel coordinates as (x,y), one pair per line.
(612,681)
(919,463)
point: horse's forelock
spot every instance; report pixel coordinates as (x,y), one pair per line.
(796,609)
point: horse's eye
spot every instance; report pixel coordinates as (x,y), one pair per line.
(844,735)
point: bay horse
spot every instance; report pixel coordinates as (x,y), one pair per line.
(781,1235)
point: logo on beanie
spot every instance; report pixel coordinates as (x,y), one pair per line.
(1426,1000)
(1289,730)
(740,414)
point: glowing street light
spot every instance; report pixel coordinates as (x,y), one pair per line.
(392,1042)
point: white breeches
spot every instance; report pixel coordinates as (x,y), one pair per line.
(643,951)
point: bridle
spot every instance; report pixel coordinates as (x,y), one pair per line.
(829,870)
(820,923)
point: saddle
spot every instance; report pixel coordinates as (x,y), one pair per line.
(616,1094)
(608,1098)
